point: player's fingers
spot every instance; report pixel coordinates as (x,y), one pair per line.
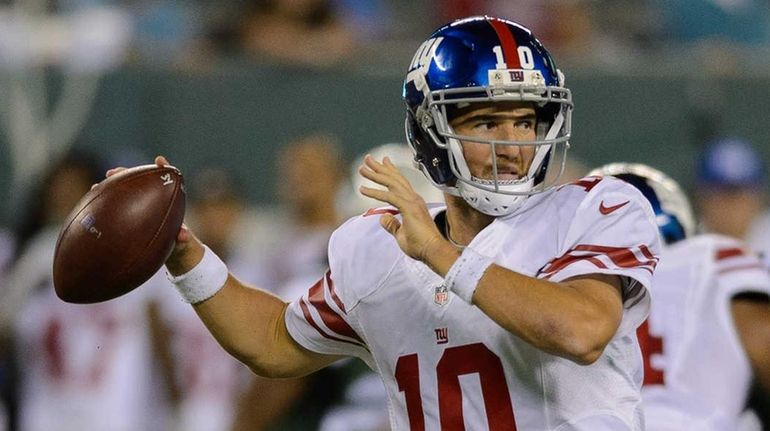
(161,161)
(380,195)
(385,174)
(397,175)
(381,167)
(372,163)
(390,223)
(380,178)
(113,171)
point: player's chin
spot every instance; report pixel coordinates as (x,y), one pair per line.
(508,177)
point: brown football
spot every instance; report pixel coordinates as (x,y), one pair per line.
(119,234)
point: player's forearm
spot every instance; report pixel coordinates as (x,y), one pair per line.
(241,320)
(247,322)
(249,325)
(554,317)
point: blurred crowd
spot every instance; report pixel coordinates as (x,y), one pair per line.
(156,366)
(98,34)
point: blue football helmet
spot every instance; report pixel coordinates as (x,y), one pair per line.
(482,60)
(673,212)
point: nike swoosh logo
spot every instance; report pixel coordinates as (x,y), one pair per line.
(607,210)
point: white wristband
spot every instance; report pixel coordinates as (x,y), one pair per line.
(203,281)
(464,275)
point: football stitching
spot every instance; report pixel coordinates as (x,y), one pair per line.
(175,193)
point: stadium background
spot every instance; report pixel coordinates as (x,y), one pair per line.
(651,96)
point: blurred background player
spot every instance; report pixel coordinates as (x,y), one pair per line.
(80,367)
(731,192)
(311,173)
(207,382)
(731,180)
(709,324)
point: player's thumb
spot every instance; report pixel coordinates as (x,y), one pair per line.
(390,223)
(184,235)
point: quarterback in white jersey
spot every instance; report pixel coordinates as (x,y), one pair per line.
(513,307)
(698,343)
(443,361)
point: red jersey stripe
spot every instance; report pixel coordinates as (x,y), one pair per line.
(742,268)
(331,319)
(727,253)
(376,211)
(508,43)
(647,253)
(336,298)
(569,260)
(311,321)
(596,262)
(621,257)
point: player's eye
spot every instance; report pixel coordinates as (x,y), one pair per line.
(525,124)
(485,125)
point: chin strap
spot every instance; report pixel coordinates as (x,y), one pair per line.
(543,150)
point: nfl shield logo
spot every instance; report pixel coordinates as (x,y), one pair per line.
(441,295)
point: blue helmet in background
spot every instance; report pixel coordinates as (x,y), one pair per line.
(482,60)
(673,212)
(730,162)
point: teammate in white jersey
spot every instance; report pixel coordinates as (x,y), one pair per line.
(513,307)
(708,326)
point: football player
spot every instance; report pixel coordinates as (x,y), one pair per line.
(512,307)
(709,325)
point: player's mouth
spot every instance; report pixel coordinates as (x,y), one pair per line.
(506,175)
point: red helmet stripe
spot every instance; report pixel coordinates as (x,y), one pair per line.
(508,43)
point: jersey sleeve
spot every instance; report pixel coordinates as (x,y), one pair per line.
(613,231)
(323,319)
(319,321)
(738,269)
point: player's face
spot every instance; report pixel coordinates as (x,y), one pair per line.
(509,121)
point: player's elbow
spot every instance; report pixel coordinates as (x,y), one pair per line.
(586,356)
(271,371)
(586,345)
(574,346)
(264,364)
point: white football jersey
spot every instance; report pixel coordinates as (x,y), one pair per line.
(88,367)
(444,363)
(81,367)
(697,375)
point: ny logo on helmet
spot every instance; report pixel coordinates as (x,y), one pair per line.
(420,64)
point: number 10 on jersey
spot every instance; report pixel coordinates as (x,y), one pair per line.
(455,362)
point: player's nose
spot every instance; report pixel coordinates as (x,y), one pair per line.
(508,151)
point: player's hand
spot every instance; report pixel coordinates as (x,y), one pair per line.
(188,250)
(416,233)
